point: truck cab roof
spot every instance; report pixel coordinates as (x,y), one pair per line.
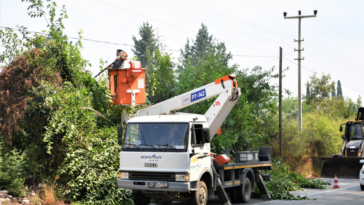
(178,117)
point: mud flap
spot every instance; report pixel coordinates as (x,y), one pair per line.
(260,183)
(343,167)
(223,197)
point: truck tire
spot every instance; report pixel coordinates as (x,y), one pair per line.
(200,196)
(233,194)
(362,187)
(245,191)
(140,199)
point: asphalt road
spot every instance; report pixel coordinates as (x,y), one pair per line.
(349,193)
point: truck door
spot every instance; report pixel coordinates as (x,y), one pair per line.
(200,158)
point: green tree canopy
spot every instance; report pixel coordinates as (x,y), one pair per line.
(320,87)
(339,89)
(147,41)
(160,84)
(201,46)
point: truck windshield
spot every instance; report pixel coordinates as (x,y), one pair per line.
(156,136)
(354,132)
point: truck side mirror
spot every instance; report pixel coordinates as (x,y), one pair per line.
(341,129)
(343,137)
(206,134)
(120,134)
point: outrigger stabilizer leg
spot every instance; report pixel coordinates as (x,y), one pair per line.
(224,199)
(260,183)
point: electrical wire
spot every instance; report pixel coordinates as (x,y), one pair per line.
(257,56)
(315,72)
(322,14)
(333,56)
(211,22)
(114,7)
(81,39)
(226,17)
(98,41)
(265,39)
(350,61)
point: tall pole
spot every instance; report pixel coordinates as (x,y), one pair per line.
(299,77)
(299,17)
(280,104)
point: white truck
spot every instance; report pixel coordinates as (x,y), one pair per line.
(166,155)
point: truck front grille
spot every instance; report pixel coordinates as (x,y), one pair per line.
(152,176)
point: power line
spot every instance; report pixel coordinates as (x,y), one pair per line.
(114,7)
(81,39)
(332,21)
(315,72)
(257,56)
(333,55)
(332,36)
(277,58)
(226,17)
(350,61)
(225,27)
(98,41)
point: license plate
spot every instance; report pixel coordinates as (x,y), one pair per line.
(158,184)
(152,165)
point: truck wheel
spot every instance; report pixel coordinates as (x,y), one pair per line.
(245,191)
(233,194)
(199,197)
(362,187)
(140,199)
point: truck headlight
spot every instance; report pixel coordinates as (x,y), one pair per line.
(182,177)
(124,175)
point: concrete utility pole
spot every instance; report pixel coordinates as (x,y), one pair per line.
(280,105)
(299,17)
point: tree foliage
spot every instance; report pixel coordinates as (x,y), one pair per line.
(319,88)
(339,89)
(51,107)
(204,44)
(147,42)
(161,79)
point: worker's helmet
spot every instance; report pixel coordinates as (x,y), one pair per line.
(119,50)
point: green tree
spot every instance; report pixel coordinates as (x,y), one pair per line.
(147,42)
(161,79)
(308,90)
(320,87)
(339,89)
(200,47)
(333,93)
(51,107)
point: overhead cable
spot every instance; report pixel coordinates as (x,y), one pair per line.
(115,7)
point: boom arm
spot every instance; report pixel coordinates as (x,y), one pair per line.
(225,88)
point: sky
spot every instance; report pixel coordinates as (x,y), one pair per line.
(253,31)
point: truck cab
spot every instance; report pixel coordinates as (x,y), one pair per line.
(168,153)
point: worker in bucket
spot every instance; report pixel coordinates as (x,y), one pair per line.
(121,57)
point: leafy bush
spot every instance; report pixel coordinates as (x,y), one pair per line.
(12,173)
(91,172)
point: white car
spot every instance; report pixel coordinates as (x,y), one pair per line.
(361,175)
